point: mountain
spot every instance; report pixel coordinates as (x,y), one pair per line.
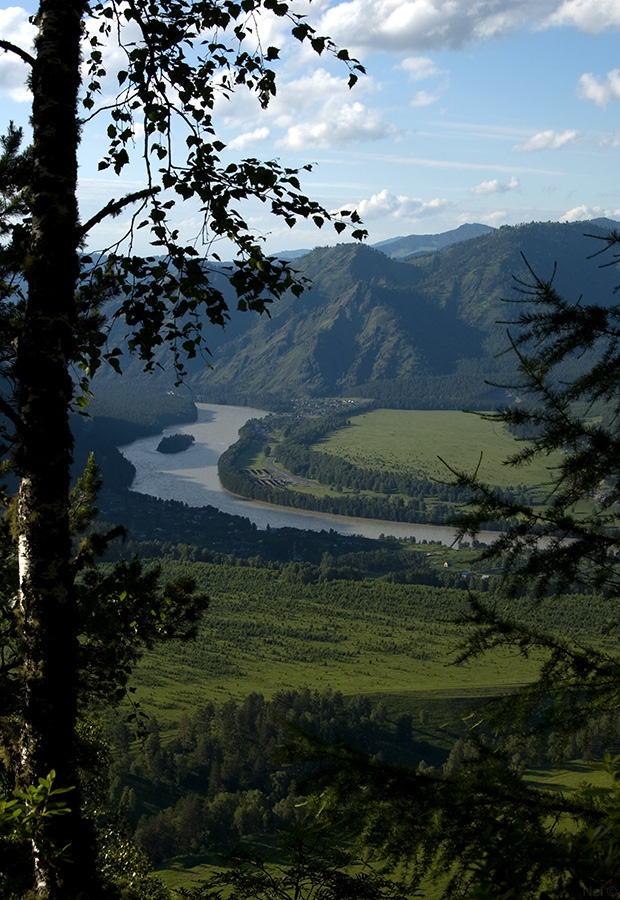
(422,333)
(415,244)
(289,255)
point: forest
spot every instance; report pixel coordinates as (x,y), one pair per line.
(215,780)
(411,718)
(217,771)
(175,443)
(195,774)
(377,493)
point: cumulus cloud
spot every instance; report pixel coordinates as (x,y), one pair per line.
(419,68)
(593,16)
(494,218)
(349,124)
(547,140)
(248,139)
(581,213)
(601,92)
(423,98)
(495,186)
(303,96)
(316,111)
(15,27)
(423,25)
(310,112)
(398,207)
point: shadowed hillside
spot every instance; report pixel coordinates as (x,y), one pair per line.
(421,333)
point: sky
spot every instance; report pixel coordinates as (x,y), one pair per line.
(490,111)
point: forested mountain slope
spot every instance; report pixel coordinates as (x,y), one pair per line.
(421,333)
(415,244)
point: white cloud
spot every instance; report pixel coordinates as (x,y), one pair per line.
(581,213)
(419,68)
(423,25)
(313,111)
(593,16)
(494,219)
(349,124)
(423,98)
(495,186)
(248,138)
(547,140)
(15,27)
(398,207)
(316,111)
(114,56)
(305,96)
(601,92)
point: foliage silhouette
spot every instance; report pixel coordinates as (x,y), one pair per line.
(179,56)
(480,823)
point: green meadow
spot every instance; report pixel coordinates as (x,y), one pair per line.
(392,464)
(264,634)
(394,642)
(418,440)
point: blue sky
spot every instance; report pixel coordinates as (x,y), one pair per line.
(494,111)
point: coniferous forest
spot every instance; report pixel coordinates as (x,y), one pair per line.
(196,708)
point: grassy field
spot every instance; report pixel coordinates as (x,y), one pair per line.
(413,440)
(392,641)
(418,444)
(264,634)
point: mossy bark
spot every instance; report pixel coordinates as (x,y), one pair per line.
(46,346)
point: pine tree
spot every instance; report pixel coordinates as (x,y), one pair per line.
(478,824)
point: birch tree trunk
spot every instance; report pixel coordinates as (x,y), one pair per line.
(166,88)
(43,459)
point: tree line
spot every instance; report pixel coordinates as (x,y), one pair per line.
(217,779)
(377,493)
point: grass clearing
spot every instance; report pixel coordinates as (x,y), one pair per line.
(264,634)
(570,776)
(387,460)
(413,440)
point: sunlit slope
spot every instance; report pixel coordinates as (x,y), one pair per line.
(419,334)
(264,632)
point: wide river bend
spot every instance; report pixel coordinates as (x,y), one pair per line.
(191,477)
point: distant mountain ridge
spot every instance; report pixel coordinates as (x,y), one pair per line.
(414,244)
(421,333)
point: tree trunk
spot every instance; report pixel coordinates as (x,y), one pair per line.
(43,458)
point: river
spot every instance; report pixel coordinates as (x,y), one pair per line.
(191,477)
